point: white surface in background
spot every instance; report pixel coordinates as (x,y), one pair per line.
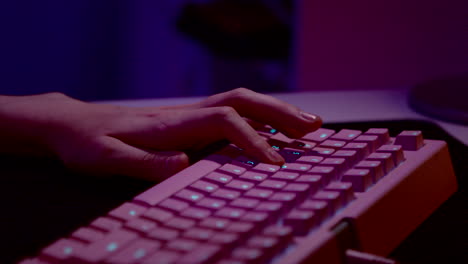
(339,106)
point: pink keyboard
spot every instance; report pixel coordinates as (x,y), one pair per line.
(340,196)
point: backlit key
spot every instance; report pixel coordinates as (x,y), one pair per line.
(320,208)
(230,213)
(180,223)
(106,224)
(395,150)
(140,225)
(301,221)
(224,239)
(346,135)
(201,234)
(112,243)
(381,133)
(244,203)
(296,167)
(291,155)
(344,188)
(272,184)
(173,205)
(328,173)
(63,249)
(163,257)
(225,194)
(258,193)
(374,166)
(319,135)
(332,144)
(410,140)
(87,234)
(266,168)
(253,176)
(163,234)
(215,223)
(247,255)
(331,197)
(385,158)
(241,228)
(361,179)
(362,149)
(204,186)
(128,211)
(183,245)
(189,196)
(238,185)
(135,252)
(282,138)
(218,178)
(232,169)
(195,213)
(201,254)
(322,152)
(372,141)
(212,204)
(308,159)
(158,215)
(285,176)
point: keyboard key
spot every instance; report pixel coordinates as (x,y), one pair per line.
(410,140)
(195,213)
(337,163)
(204,186)
(218,178)
(350,157)
(258,193)
(180,223)
(63,249)
(140,225)
(256,217)
(385,158)
(320,209)
(201,234)
(225,239)
(332,198)
(372,141)
(230,213)
(245,203)
(232,169)
(128,211)
(269,245)
(301,190)
(381,133)
(163,234)
(215,223)
(282,138)
(112,243)
(362,149)
(335,144)
(87,234)
(253,176)
(247,255)
(201,254)
(183,245)
(189,196)
(296,167)
(173,205)
(226,194)
(284,197)
(106,224)
(285,176)
(213,204)
(266,168)
(245,162)
(158,215)
(163,257)
(395,150)
(319,135)
(346,135)
(300,221)
(328,173)
(135,252)
(361,179)
(274,209)
(303,145)
(375,167)
(322,152)
(282,233)
(241,228)
(238,185)
(290,154)
(308,159)
(344,188)
(315,181)
(272,184)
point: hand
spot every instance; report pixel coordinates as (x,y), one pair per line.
(151,142)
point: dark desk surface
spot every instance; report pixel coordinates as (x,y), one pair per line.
(42,201)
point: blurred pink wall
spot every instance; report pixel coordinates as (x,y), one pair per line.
(374,44)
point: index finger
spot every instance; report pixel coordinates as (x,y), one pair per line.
(266,109)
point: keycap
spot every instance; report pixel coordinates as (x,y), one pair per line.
(218,178)
(272,208)
(140,225)
(296,167)
(321,209)
(230,213)
(204,186)
(381,133)
(361,179)
(183,245)
(158,215)
(135,252)
(372,141)
(319,135)
(87,234)
(245,203)
(282,138)
(385,159)
(210,203)
(410,140)
(201,234)
(189,195)
(346,135)
(201,254)
(195,213)
(374,167)
(315,181)
(322,152)
(266,168)
(241,228)
(331,197)
(336,144)
(224,239)
(248,255)
(173,205)
(328,173)
(269,245)
(395,150)
(163,234)
(63,249)
(128,211)
(350,157)
(253,176)
(272,184)
(300,221)
(344,188)
(106,224)
(258,193)
(256,217)
(232,169)
(285,176)
(290,154)
(163,257)
(362,149)
(215,223)
(180,223)
(110,244)
(238,185)
(303,145)
(225,194)
(309,159)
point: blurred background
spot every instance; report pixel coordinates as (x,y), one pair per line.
(115,49)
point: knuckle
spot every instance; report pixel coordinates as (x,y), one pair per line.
(224,113)
(239,95)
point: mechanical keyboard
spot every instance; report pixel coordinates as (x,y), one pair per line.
(340,193)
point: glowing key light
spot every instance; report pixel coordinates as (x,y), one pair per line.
(112,246)
(140,253)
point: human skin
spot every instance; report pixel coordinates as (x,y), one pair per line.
(148,142)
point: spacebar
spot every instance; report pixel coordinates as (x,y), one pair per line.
(178,181)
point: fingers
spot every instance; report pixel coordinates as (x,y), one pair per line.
(267,110)
(123,159)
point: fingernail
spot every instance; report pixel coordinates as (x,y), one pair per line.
(274,156)
(309,117)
